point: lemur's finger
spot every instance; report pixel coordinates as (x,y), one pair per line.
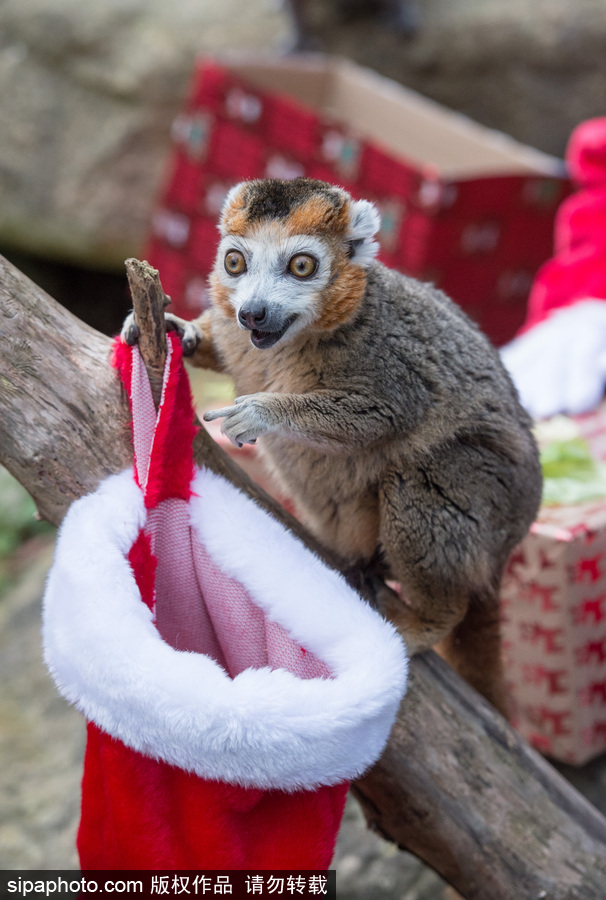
(189,342)
(130,330)
(232,438)
(213,414)
(238,439)
(239,434)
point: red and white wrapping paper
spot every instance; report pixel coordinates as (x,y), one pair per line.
(554,627)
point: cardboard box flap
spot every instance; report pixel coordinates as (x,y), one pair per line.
(305,77)
(403,122)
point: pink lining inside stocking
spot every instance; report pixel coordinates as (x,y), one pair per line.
(197,607)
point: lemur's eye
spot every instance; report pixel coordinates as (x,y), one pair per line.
(302,265)
(235,263)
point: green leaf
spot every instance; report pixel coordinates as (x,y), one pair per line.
(570,473)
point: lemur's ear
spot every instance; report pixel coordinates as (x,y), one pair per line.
(364,222)
(232,205)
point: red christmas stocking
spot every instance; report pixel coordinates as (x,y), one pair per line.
(232,682)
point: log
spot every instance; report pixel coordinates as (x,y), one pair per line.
(64,423)
(456,785)
(462,790)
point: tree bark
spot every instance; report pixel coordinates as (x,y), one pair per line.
(456,785)
(149,303)
(462,790)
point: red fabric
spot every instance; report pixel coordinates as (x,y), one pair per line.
(143,814)
(140,813)
(586,152)
(171,465)
(145,564)
(577,271)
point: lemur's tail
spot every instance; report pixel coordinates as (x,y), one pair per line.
(473,648)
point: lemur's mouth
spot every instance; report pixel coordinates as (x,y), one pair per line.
(262,340)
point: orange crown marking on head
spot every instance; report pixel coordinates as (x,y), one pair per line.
(318,216)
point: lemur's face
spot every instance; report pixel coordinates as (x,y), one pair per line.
(292,257)
(274,280)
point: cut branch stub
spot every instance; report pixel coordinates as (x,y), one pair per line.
(149,303)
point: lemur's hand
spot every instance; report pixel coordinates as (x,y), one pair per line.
(246,420)
(189,332)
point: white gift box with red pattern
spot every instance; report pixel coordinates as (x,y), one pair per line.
(554,623)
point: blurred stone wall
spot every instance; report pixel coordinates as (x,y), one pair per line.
(531,68)
(88,90)
(87,94)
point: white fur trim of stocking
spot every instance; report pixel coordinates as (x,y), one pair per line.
(264,728)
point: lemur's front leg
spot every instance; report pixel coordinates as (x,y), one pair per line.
(196,338)
(322,418)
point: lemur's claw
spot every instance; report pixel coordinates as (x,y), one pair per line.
(130,330)
(189,345)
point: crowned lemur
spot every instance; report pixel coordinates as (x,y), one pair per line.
(382,411)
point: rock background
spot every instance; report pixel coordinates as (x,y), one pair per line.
(531,69)
(88,91)
(41,738)
(87,95)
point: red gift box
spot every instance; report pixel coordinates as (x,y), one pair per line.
(554,623)
(461,205)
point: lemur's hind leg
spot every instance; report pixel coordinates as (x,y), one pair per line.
(436,549)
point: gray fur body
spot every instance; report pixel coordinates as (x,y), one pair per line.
(382,410)
(399,432)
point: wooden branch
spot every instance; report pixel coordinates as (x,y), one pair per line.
(149,303)
(462,790)
(64,423)
(456,785)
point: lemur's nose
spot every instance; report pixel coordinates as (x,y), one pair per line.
(253,317)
